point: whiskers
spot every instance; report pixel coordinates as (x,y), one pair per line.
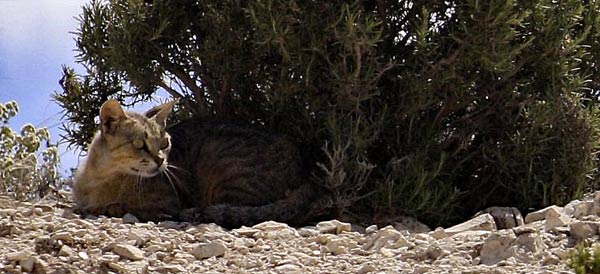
(139,186)
(174,180)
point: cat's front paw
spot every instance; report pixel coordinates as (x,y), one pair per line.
(192,215)
(111,210)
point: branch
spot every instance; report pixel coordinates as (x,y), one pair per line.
(183,99)
(186,79)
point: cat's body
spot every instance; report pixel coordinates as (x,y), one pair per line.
(214,172)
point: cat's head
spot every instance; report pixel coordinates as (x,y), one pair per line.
(136,143)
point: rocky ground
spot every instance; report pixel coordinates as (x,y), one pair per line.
(48,238)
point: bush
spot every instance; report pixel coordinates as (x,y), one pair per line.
(28,163)
(434,109)
(585,260)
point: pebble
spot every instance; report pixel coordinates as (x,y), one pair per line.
(128,251)
(207,250)
(46,239)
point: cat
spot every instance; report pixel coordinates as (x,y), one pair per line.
(192,171)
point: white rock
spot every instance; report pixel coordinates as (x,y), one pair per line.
(271,226)
(63,236)
(169,269)
(288,268)
(246,231)
(583,230)
(482,222)
(83,255)
(65,251)
(497,247)
(386,237)
(139,236)
(338,246)
(207,250)
(334,227)
(28,264)
(128,251)
(533,242)
(540,214)
(25,259)
(18,256)
(438,233)
(106,258)
(371,229)
(366,269)
(584,208)
(308,232)
(555,218)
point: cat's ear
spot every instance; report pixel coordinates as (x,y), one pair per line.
(111,112)
(162,112)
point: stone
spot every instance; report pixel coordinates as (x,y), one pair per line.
(64,236)
(83,255)
(128,251)
(504,217)
(578,209)
(28,264)
(482,222)
(551,259)
(246,231)
(169,269)
(555,218)
(207,250)
(371,229)
(25,259)
(532,242)
(540,214)
(336,247)
(386,237)
(288,268)
(271,226)
(308,232)
(583,230)
(138,236)
(18,256)
(584,208)
(129,218)
(65,251)
(333,227)
(497,247)
(438,233)
(366,269)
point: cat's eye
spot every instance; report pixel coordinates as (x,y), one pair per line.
(139,144)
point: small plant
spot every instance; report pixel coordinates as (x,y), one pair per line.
(586,260)
(28,162)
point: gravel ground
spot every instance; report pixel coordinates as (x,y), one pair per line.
(48,238)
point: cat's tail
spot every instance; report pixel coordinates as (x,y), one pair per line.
(303,205)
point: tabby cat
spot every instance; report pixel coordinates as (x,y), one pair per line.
(193,171)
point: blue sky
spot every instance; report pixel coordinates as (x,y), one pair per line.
(35,40)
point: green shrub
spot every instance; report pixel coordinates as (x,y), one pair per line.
(28,163)
(585,260)
(434,109)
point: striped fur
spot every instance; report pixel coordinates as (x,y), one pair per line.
(215,172)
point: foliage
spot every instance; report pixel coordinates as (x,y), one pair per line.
(585,260)
(28,163)
(434,109)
